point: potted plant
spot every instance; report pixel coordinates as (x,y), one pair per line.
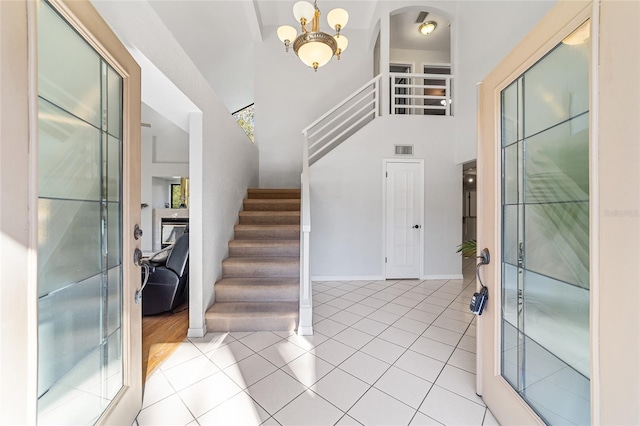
(467,248)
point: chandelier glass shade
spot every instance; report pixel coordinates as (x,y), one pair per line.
(314,47)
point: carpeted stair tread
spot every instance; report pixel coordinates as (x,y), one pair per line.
(258,290)
(269,218)
(261,266)
(251,204)
(265,247)
(273,193)
(252,316)
(260,285)
(261,232)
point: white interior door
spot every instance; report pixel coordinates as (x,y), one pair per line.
(534,341)
(404,183)
(89,358)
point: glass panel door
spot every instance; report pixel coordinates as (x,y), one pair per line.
(80,277)
(545,341)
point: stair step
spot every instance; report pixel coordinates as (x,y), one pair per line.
(273,193)
(258,290)
(250,204)
(270,217)
(261,232)
(261,267)
(271,247)
(252,316)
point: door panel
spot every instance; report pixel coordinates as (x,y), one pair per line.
(89,360)
(534,345)
(404,219)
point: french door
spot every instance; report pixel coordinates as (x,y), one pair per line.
(88,115)
(535,345)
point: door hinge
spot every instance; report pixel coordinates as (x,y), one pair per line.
(385,260)
(386,174)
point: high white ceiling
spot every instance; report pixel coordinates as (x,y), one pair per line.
(275,13)
(404,32)
(219,35)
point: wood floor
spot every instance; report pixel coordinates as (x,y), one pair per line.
(161,336)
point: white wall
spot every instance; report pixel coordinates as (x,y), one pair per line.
(290,96)
(346,185)
(221,167)
(419,58)
(484,32)
(346,199)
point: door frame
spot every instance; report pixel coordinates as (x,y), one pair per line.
(504,402)
(386,161)
(19,200)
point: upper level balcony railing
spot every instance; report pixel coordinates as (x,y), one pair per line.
(420,94)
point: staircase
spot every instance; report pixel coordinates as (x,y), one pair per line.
(260,285)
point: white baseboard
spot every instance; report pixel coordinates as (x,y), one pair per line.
(305,331)
(443,277)
(197,332)
(379,277)
(347,278)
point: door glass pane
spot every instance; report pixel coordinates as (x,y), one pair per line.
(114,232)
(67,68)
(557,87)
(114,103)
(509,121)
(545,235)
(557,243)
(511,174)
(510,237)
(68,243)
(510,349)
(555,163)
(68,152)
(113,168)
(80,363)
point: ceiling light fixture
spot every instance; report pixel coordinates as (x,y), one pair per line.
(427,28)
(315,48)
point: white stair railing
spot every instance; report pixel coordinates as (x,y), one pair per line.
(343,120)
(305,324)
(430,94)
(319,138)
(420,94)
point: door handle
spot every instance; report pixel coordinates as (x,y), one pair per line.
(137,260)
(416,226)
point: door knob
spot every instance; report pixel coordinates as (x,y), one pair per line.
(416,226)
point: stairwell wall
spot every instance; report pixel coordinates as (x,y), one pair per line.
(221,168)
(289,96)
(347,199)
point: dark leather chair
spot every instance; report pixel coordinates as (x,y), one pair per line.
(168,284)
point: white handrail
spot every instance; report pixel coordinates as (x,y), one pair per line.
(354,115)
(353,95)
(344,132)
(353,105)
(414,93)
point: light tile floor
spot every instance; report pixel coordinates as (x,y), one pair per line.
(383,353)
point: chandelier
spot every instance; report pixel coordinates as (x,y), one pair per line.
(315,48)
